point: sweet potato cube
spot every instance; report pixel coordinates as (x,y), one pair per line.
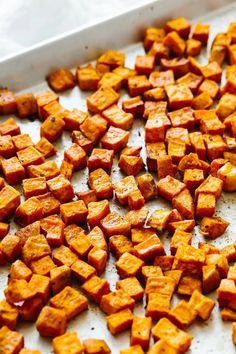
(61,80)
(128,265)
(162,285)
(183,315)
(162,78)
(82,270)
(120,321)
(209,86)
(26,105)
(149,249)
(179,96)
(100,182)
(213,227)
(215,146)
(61,188)
(111,79)
(137,217)
(176,150)
(123,188)
(209,249)
(141,331)
(226,105)
(60,278)
(146,185)
(70,301)
(19,270)
(81,245)
(201,304)
(29,211)
(42,266)
(137,85)
(212,71)
(7,148)
(159,51)
(179,66)
(96,346)
(169,187)
(64,256)
(103,98)
(144,64)
(152,35)
(47,169)
(231,272)
(227,314)
(8,315)
(159,219)
(118,118)
(188,284)
(134,106)
(175,43)
(131,151)
(206,205)
(97,211)
(210,278)
(11,247)
(201,33)
(97,238)
(97,258)
(101,158)
(68,342)
(165,329)
(154,129)
(13,171)
(52,128)
(74,212)
(116,301)
(4,229)
(120,244)
(158,305)
(9,126)
(211,185)
(44,98)
(182,118)
(115,224)
(183,202)
(115,139)
(95,288)
(193,47)
(124,73)
(132,287)
(35,248)
(93,128)
(188,258)
(226,291)
(202,101)
(73,119)
(28,231)
(112,58)
(164,262)
(180,238)
(87,78)
(18,290)
(193,178)
(151,271)
(51,322)
(210,123)
(88,196)
(10,342)
(81,140)
(7,102)
(30,156)
(34,186)
(227,173)
(66,169)
(76,156)
(49,203)
(180,25)
(131,165)
(154,151)
(198,145)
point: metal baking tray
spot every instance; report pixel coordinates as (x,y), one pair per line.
(26,72)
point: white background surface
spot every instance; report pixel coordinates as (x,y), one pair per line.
(27,22)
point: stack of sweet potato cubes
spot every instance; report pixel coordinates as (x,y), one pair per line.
(65,236)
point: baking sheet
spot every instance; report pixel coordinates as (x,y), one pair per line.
(212,336)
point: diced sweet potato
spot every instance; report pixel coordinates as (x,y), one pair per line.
(60,278)
(103,98)
(52,128)
(67,342)
(34,186)
(152,35)
(115,224)
(116,301)
(180,25)
(9,126)
(132,287)
(213,226)
(169,187)
(96,212)
(10,342)
(7,102)
(49,203)
(93,128)
(87,78)
(100,182)
(134,106)
(101,158)
(128,265)
(120,321)
(51,322)
(137,85)
(47,169)
(61,188)
(175,43)
(201,304)
(61,80)
(193,47)
(29,211)
(13,171)
(95,288)
(26,105)
(120,244)
(8,315)
(96,346)
(146,185)
(11,247)
(137,217)
(149,249)
(131,165)
(123,188)
(115,139)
